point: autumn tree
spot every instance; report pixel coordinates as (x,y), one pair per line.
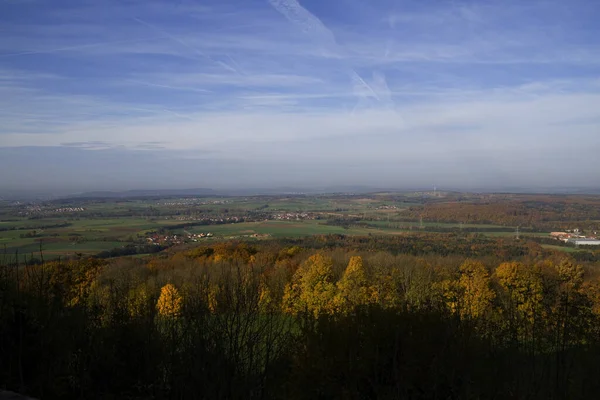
(312,288)
(170,302)
(265,298)
(573,309)
(353,287)
(418,285)
(138,301)
(523,296)
(475,290)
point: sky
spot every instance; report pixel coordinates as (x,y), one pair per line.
(128,94)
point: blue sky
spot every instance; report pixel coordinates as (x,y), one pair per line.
(193,93)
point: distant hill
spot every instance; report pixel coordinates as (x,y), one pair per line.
(6,195)
(146,193)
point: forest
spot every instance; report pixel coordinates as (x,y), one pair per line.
(423,316)
(538,211)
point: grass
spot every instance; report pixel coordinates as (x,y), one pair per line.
(106,233)
(560,248)
(276,229)
(99,234)
(407,224)
(280,229)
(273,228)
(52,251)
(115,230)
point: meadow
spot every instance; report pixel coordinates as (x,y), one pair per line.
(105,224)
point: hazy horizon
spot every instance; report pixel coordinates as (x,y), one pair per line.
(301,94)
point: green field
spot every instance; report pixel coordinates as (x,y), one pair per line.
(280,229)
(104,224)
(560,248)
(85,236)
(89,236)
(274,228)
(416,224)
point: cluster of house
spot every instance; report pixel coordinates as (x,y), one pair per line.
(158,239)
(68,209)
(32,210)
(188,202)
(215,220)
(194,237)
(288,216)
(387,208)
(252,235)
(576,237)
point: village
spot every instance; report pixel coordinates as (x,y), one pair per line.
(577,237)
(172,239)
(290,216)
(41,210)
(192,201)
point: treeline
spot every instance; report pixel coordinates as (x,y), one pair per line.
(131,249)
(419,244)
(40,227)
(284,320)
(539,214)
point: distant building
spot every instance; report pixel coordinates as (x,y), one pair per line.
(585,242)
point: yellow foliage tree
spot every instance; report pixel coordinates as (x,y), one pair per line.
(475,291)
(451,294)
(593,293)
(524,290)
(138,301)
(312,288)
(265,300)
(353,288)
(575,308)
(385,288)
(170,302)
(570,275)
(72,281)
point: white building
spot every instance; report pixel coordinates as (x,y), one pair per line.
(585,242)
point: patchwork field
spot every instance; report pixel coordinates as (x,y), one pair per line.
(88,226)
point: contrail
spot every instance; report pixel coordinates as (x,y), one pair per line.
(185,44)
(237,65)
(179,115)
(299,15)
(169,87)
(295,13)
(77,47)
(357,78)
(382,87)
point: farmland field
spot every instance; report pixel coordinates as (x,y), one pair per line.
(560,248)
(88,226)
(275,229)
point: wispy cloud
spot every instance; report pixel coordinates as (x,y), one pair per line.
(264,83)
(322,36)
(186,45)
